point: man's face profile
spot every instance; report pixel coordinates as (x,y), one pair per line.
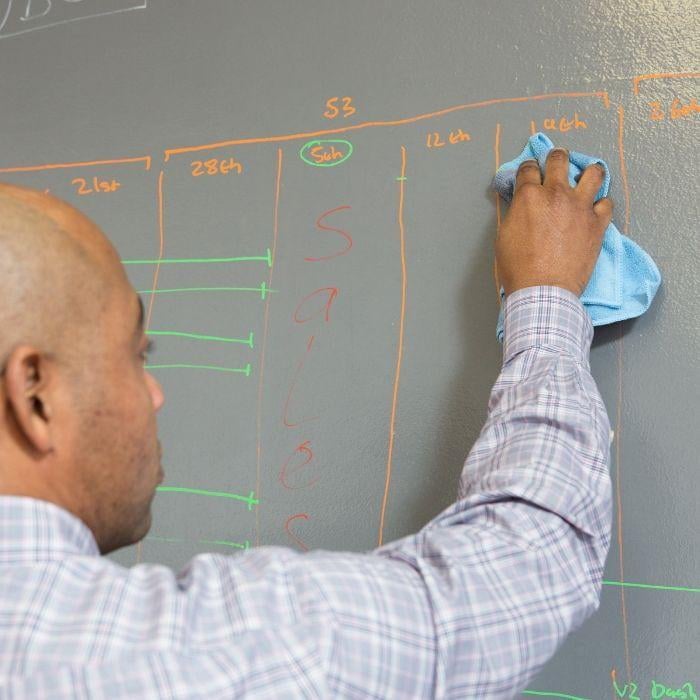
(78,417)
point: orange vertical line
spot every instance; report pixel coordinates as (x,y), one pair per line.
(618,489)
(399,353)
(618,417)
(659,76)
(623,167)
(497,156)
(263,347)
(160,248)
(161,236)
(613,679)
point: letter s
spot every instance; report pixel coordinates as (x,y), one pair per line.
(323,227)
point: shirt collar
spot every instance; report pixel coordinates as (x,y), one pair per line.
(32,530)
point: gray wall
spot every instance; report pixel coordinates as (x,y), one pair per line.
(175,74)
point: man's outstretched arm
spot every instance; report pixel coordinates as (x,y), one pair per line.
(516,563)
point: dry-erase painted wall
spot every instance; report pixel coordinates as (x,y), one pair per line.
(300,191)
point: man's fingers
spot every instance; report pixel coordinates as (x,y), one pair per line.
(528,173)
(590,181)
(603,209)
(556,170)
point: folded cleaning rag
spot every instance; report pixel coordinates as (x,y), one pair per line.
(625,279)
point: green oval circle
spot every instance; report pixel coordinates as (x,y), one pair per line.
(324,142)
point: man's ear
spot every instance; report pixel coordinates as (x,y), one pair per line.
(28,373)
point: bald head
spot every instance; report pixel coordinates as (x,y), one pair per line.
(77,406)
(55,271)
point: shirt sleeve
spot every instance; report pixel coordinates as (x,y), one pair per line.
(517,562)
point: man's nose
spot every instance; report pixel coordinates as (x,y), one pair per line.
(157,396)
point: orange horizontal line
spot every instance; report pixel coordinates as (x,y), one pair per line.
(659,76)
(395,122)
(83,164)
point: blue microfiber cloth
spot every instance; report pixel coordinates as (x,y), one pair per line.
(625,279)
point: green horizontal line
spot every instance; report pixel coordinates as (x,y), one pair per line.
(197,336)
(182,261)
(235,370)
(262,290)
(628,584)
(543,694)
(250,499)
(225,543)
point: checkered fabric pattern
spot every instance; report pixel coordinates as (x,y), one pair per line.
(471,606)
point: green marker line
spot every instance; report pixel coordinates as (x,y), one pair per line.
(262,290)
(182,365)
(628,584)
(165,539)
(225,543)
(553,695)
(309,144)
(197,336)
(250,499)
(182,261)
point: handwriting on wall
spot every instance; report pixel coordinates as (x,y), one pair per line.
(561,124)
(435,139)
(326,153)
(339,107)
(677,109)
(216,166)
(654,690)
(22,16)
(95,185)
(300,469)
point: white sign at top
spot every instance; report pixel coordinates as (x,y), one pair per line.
(22,16)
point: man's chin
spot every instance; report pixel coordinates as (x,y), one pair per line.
(144,527)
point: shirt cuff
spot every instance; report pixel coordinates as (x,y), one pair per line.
(546,317)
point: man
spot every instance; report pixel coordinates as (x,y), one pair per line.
(470,607)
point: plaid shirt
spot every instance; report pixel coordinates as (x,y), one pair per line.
(469,607)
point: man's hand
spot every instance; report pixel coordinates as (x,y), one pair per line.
(553,232)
